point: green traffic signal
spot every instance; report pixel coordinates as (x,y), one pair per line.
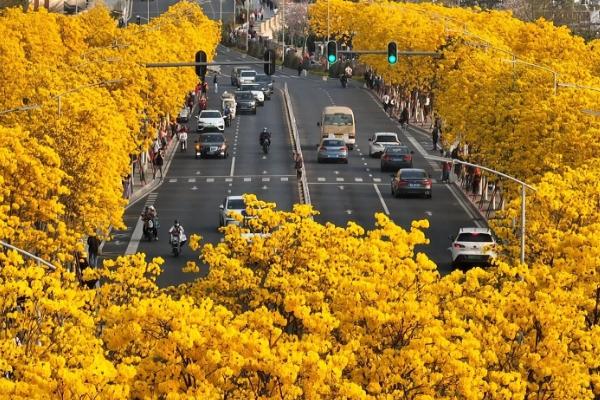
(331,51)
(392,52)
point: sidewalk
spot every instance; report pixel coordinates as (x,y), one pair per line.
(484,195)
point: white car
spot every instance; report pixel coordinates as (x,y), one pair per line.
(380,140)
(231,205)
(210,120)
(256,91)
(246,76)
(473,246)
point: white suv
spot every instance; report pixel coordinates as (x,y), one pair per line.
(380,140)
(473,246)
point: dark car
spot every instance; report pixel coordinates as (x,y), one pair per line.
(266,84)
(256,90)
(396,157)
(411,181)
(213,145)
(245,102)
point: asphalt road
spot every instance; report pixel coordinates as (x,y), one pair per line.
(357,190)
(193,189)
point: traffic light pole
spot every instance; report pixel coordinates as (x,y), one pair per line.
(400,53)
(207,64)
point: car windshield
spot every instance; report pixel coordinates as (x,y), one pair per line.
(475,237)
(236,204)
(263,78)
(412,174)
(250,87)
(397,150)
(333,143)
(244,96)
(210,114)
(212,138)
(385,139)
(246,74)
(337,119)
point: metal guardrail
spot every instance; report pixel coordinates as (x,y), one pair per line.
(304,193)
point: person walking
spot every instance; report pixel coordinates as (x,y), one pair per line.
(435,136)
(300,68)
(298,165)
(216,82)
(183,137)
(93,247)
(446,167)
(404,116)
(385,99)
(158,163)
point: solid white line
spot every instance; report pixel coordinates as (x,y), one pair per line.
(136,236)
(463,204)
(232,166)
(208,180)
(381,199)
(376,179)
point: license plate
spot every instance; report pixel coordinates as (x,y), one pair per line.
(414,185)
(213,148)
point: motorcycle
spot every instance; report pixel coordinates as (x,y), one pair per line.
(150,229)
(265,145)
(344,80)
(175,245)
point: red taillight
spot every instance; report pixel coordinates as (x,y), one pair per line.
(386,157)
(407,157)
(458,246)
(402,182)
(344,148)
(427,182)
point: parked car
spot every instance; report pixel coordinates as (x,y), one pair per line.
(395,157)
(473,246)
(411,181)
(213,145)
(256,91)
(235,73)
(231,205)
(245,102)
(210,120)
(380,140)
(333,150)
(266,84)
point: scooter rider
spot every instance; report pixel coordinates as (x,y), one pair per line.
(265,135)
(177,230)
(227,115)
(150,214)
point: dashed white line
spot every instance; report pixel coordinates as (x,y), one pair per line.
(339,179)
(284,179)
(321,179)
(358,179)
(381,200)
(191,180)
(247,179)
(232,166)
(266,179)
(376,179)
(209,180)
(173,180)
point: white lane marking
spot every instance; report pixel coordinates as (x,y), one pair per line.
(376,179)
(381,200)
(264,172)
(209,180)
(358,179)
(465,207)
(339,179)
(336,172)
(194,187)
(341,187)
(136,236)
(232,166)
(247,179)
(266,179)
(349,212)
(191,180)
(173,180)
(197,172)
(265,187)
(321,179)
(284,179)
(228,179)
(429,213)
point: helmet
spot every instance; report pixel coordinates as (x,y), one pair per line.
(151,208)
(265,129)
(176,223)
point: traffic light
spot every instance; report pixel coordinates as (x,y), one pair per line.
(270,66)
(392,52)
(138,19)
(201,69)
(331,51)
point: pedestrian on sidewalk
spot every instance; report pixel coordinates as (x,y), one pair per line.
(435,136)
(385,99)
(392,106)
(446,168)
(403,120)
(475,181)
(300,68)
(158,164)
(93,247)
(298,165)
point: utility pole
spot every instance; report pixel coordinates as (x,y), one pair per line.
(248,23)
(283,28)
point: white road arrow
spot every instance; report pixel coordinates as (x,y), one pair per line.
(341,187)
(348,212)
(194,188)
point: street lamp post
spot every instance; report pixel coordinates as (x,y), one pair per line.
(27,254)
(524,186)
